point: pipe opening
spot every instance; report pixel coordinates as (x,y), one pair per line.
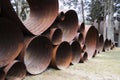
(69,25)
(76,52)
(17,71)
(38,55)
(57,37)
(91,41)
(63,55)
(81,28)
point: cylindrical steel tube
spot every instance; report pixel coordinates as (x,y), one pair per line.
(81,28)
(100,43)
(11,41)
(79,38)
(76,52)
(54,34)
(37,54)
(61,56)
(15,70)
(90,39)
(69,25)
(84,57)
(42,15)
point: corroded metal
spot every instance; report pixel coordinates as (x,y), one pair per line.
(2,74)
(90,39)
(15,70)
(83,47)
(79,38)
(61,56)
(69,25)
(84,57)
(100,43)
(11,41)
(42,15)
(76,52)
(54,34)
(81,28)
(36,54)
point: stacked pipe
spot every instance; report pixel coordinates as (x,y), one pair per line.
(45,38)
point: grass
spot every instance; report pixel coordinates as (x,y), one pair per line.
(105,66)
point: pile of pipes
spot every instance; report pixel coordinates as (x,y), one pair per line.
(46,38)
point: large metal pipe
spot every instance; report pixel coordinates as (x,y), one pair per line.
(15,70)
(76,52)
(2,74)
(83,57)
(100,43)
(37,54)
(54,34)
(69,25)
(81,28)
(79,38)
(90,38)
(11,41)
(42,15)
(61,56)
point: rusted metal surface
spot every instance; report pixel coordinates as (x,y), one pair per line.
(100,43)
(54,34)
(2,74)
(69,25)
(15,70)
(61,56)
(36,54)
(95,53)
(83,47)
(60,17)
(90,39)
(8,12)
(84,57)
(79,38)
(81,28)
(42,15)
(11,41)
(76,52)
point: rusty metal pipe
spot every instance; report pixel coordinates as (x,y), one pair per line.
(61,56)
(2,74)
(90,38)
(83,47)
(100,43)
(81,28)
(11,41)
(42,15)
(15,70)
(54,34)
(76,52)
(79,38)
(84,57)
(36,54)
(69,25)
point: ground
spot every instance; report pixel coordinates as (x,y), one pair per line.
(105,66)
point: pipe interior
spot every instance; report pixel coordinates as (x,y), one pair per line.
(63,55)
(76,52)
(38,55)
(16,72)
